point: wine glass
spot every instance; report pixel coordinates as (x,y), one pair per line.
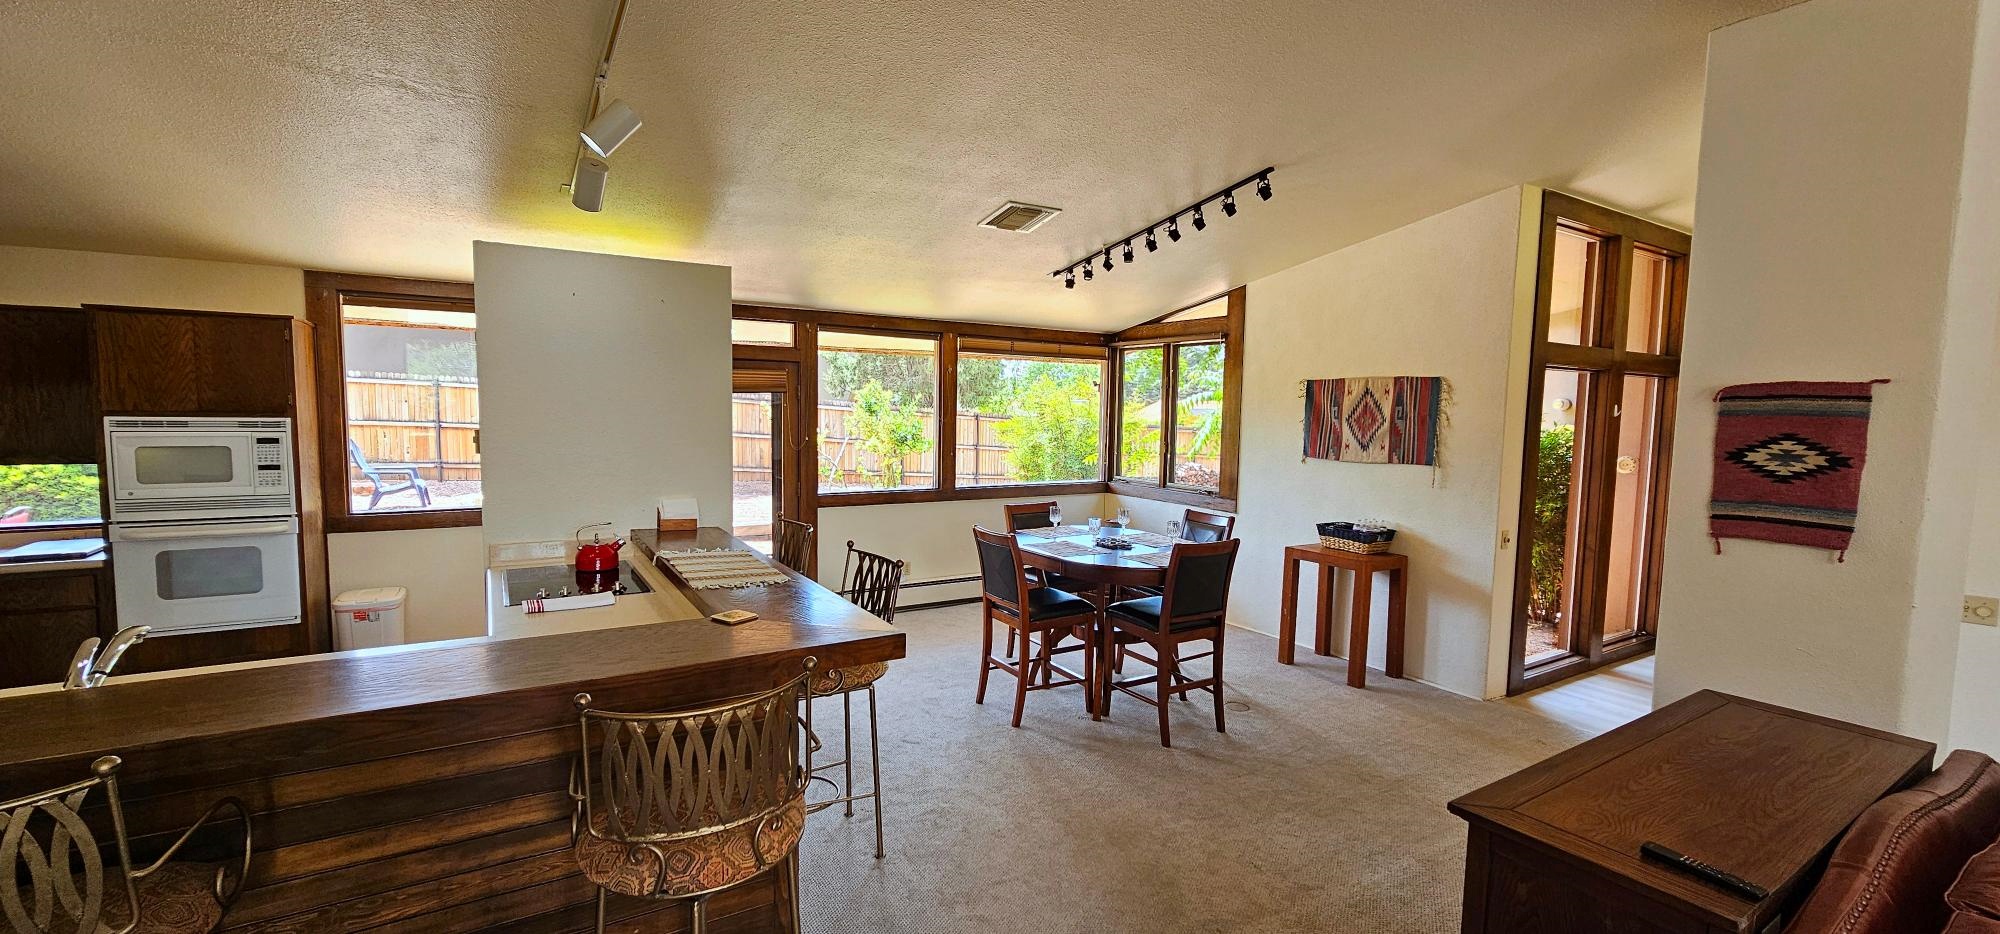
(1096,523)
(1174,530)
(1055,515)
(1124,519)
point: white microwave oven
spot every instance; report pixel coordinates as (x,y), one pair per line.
(173,469)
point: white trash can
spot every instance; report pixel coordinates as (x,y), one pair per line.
(364,619)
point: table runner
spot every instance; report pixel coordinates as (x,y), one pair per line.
(721,568)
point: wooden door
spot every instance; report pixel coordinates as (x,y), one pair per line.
(165,362)
(1599,426)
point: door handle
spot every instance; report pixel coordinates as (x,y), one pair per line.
(175,532)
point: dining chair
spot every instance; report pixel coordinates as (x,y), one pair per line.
(1191,609)
(687,803)
(1024,516)
(1200,527)
(792,544)
(1025,611)
(65,885)
(869,581)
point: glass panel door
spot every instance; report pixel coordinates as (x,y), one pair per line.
(753,419)
(1603,371)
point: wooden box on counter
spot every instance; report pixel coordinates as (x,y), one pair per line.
(1754,789)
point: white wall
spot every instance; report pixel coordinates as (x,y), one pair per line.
(33,276)
(429,562)
(1830,170)
(1435,298)
(1975,714)
(444,569)
(935,538)
(604,388)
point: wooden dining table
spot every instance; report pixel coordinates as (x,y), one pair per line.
(1075,556)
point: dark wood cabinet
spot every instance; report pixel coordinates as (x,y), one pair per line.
(44,616)
(46,412)
(1758,790)
(169,362)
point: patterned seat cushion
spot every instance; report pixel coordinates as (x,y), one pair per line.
(692,866)
(178,898)
(852,678)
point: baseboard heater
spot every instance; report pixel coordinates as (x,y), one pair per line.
(903,593)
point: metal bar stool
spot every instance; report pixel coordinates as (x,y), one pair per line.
(65,871)
(687,803)
(869,581)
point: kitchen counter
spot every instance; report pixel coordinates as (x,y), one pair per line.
(427,779)
(49,567)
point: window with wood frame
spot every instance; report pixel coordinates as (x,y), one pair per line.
(1029,415)
(398,401)
(1178,410)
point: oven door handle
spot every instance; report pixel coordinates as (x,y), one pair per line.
(222,530)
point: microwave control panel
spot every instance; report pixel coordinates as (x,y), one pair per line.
(269,459)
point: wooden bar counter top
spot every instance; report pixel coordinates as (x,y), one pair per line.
(425,789)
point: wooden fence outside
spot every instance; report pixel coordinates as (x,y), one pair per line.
(430,424)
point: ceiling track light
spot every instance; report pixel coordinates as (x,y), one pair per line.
(605,128)
(1227,196)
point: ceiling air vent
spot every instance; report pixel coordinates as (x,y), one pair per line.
(1018,217)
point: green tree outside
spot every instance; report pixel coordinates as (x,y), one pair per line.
(50,491)
(887,430)
(1548,544)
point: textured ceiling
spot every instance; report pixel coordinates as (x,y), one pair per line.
(836,154)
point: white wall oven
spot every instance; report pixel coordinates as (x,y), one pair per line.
(198,468)
(206,576)
(204,522)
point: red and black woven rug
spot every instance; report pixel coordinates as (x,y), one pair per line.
(1788,460)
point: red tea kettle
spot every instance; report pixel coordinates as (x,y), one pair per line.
(597,554)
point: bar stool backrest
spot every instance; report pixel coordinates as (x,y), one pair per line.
(871,581)
(792,544)
(662,777)
(44,841)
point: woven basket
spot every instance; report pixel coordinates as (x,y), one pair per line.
(1343,536)
(1359,548)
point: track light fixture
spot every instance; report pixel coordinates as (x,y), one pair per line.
(587,190)
(1172,222)
(605,129)
(611,128)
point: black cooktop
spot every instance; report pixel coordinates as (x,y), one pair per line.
(563,580)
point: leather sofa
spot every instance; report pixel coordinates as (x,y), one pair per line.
(1921,861)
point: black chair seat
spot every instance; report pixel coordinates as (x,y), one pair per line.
(1145,613)
(1051,603)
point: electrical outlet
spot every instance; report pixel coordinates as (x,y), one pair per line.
(1982,611)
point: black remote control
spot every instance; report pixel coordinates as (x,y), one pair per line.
(1704,871)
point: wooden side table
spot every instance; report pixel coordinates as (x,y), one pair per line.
(1363,567)
(1751,788)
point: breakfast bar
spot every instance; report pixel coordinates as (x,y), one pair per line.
(425,787)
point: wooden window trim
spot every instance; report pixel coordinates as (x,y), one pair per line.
(977,337)
(1169,336)
(324,293)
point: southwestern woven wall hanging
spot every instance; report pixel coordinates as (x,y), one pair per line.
(1788,460)
(1375,419)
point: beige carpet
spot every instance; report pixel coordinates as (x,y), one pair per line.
(1321,810)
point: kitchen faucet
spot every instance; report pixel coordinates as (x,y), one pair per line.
(89,667)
